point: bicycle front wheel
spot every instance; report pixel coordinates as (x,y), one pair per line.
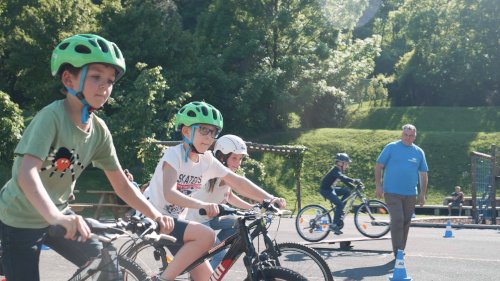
(129,270)
(305,260)
(278,273)
(153,259)
(312,223)
(373,219)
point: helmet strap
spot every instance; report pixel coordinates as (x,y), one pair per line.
(190,144)
(224,158)
(87,109)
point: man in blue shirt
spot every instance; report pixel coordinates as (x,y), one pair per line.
(404,166)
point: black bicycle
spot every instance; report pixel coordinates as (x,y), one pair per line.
(109,265)
(273,263)
(371,217)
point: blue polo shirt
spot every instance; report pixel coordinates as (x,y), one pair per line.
(402,165)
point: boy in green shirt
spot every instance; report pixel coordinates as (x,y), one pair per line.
(61,140)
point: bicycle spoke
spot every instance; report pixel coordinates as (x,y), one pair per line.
(312,223)
(372,219)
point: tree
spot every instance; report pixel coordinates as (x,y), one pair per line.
(449,53)
(11,122)
(32,29)
(157,41)
(267,60)
(140,110)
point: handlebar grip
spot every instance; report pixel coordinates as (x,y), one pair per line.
(223,210)
(56,231)
(270,207)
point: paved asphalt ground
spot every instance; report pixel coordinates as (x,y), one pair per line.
(473,254)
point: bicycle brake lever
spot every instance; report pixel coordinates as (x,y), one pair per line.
(159,236)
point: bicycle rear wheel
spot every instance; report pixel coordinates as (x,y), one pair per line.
(305,260)
(312,223)
(373,219)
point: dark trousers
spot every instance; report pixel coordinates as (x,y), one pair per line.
(21,251)
(401,208)
(334,198)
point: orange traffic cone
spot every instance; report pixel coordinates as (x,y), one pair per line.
(448,233)
(399,269)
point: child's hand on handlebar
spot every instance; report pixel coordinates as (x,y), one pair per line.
(211,209)
(74,225)
(279,202)
(166,224)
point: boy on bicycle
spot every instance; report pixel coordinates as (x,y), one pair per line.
(329,189)
(63,138)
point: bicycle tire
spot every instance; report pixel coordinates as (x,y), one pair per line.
(305,260)
(374,223)
(131,270)
(277,273)
(310,226)
(151,260)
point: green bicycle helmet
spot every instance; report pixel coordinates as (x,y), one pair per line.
(82,49)
(198,112)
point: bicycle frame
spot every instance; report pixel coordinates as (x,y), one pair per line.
(238,244)
(108,257)
(352,197)
(349,202)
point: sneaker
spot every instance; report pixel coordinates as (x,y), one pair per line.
(336,230)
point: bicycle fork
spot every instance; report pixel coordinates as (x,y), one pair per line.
(103,268)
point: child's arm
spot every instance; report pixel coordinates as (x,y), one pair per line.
(32,187)
(346,180)
(248,189)
(236,201)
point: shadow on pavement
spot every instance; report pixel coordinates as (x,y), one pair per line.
(331,252)
(362,272)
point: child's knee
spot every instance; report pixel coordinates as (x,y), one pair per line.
(203,233)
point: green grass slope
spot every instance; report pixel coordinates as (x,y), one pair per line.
(447,155)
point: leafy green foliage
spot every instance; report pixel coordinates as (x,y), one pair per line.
(139,110)
(11,122)
(149,154)
(253,170)
(265,61)
(32,29)
(449,53)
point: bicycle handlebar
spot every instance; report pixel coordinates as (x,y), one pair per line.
(225,210)
(144,227)
(58,231)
